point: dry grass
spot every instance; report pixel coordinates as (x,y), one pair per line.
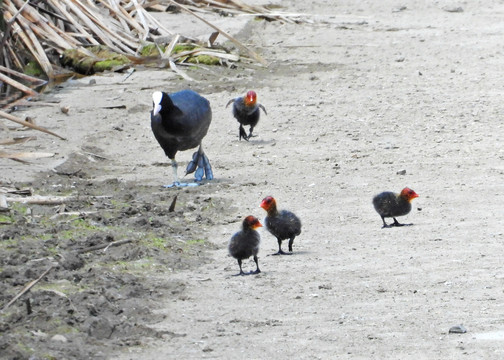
(35,35)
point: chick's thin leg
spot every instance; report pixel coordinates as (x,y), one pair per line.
(396,223)
(257,271)
(243,134)
(280,251)
(291,241)
(240,265)
(250,132)
(384,223)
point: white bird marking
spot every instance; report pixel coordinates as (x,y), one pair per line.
(156,99)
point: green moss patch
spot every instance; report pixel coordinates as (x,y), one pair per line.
(102,59)
(204,59)
(33,69)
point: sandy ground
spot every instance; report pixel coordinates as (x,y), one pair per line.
(367,97)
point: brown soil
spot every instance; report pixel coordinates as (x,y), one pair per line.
(367,97)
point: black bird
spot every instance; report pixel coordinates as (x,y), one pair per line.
(179,122)
(281,224)
(246,111)
(390,204)
(245,243)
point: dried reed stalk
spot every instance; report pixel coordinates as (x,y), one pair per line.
(252,53)
(27,124)
(37,30)
(27,288)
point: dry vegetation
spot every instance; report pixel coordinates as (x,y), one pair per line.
(47,41)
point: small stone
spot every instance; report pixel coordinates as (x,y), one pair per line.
(59,338)
(453,9)
(457,329)
(99,328)
(40,334)
(399,9)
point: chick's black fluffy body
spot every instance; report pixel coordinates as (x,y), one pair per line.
(281,224)
(284,225)
(390,205)
(245,243)
(247,112)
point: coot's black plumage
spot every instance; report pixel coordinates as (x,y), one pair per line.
(245,243)
(281,224)
(390,204)
(246,111)
(179,122)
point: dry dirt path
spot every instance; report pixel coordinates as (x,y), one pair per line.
(365,92)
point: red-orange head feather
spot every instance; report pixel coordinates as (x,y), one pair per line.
(251,98)
(408,194)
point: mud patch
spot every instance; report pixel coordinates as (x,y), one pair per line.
(111,250)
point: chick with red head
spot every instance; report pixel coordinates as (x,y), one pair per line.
(281,224)
(246,111)
(390,204)
(245,243)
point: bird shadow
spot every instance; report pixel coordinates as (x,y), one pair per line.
(396,226)
(300,252)
(251,272)
(181,185)
(260,142)
(186,184)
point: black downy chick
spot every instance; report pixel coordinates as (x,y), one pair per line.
(281,224)
(246,111)
(245,243)
(390,204)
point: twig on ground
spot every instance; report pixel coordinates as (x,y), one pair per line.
(73,213)
(27,124)
(172,205)
(104,246)
(27,288)
(95,155)
(53,200)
